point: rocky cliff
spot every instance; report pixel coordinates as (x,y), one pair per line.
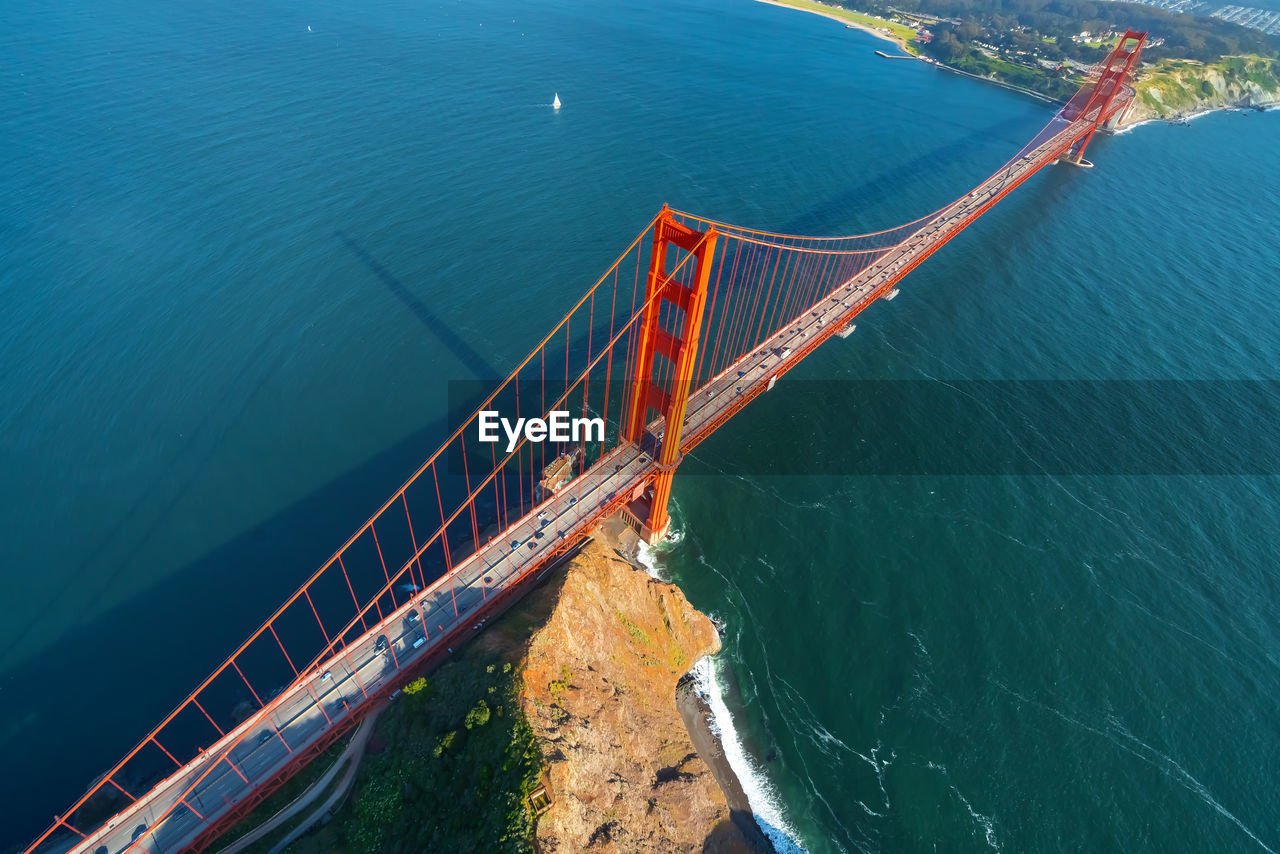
(599,685)
(1183,87)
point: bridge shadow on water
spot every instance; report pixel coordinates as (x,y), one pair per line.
(473,360)
(838,211)
(167,638)
(172,636)
(185,471)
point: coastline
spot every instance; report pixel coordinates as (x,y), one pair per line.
(902,45)
(709,722)
(834,15)
(615,716)
(1130,124)
(857,25)
(696,714)
(694,711)
(1012,87)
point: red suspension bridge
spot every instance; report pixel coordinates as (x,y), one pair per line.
(694,320)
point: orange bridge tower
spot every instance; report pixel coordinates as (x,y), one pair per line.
(665,387)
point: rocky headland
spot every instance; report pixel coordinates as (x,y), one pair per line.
(1176,89)
(600,686)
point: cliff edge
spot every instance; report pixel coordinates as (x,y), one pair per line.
(1178,87)
(599,691)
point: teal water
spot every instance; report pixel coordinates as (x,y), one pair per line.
(240,260)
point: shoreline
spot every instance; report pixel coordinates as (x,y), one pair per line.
(696,715)
(1012,87)
(694,711)
(902,45)
(832,15)
(747,790)
(1187,118)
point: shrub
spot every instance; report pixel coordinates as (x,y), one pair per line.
(478,716)
(445,743)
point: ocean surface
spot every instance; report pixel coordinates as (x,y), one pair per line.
(245,246)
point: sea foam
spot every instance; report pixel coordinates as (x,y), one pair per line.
(764,799)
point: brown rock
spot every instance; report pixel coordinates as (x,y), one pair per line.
(599,691)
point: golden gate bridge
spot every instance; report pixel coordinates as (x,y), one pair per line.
(692,321)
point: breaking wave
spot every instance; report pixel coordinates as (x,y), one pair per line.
(765,801)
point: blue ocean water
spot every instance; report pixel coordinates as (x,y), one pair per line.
(244,247)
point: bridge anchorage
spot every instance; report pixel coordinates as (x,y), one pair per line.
(725,311)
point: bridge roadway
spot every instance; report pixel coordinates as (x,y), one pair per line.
(750,375)
(339,686)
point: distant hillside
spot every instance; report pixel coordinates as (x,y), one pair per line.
(1180,87)
(1047,45)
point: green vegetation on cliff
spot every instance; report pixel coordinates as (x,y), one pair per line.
(575,688)
(457,774)
(1045,45)
(454,765)
(1172,87)
(1057,84)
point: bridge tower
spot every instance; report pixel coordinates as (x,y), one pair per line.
(686,298)
(1117,73)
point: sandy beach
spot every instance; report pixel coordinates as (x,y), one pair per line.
(834,14)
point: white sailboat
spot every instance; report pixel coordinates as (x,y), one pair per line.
(556,103)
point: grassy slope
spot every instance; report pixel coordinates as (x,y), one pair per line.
(1181,86)
(899,31)
(435,783)
(1036,79)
